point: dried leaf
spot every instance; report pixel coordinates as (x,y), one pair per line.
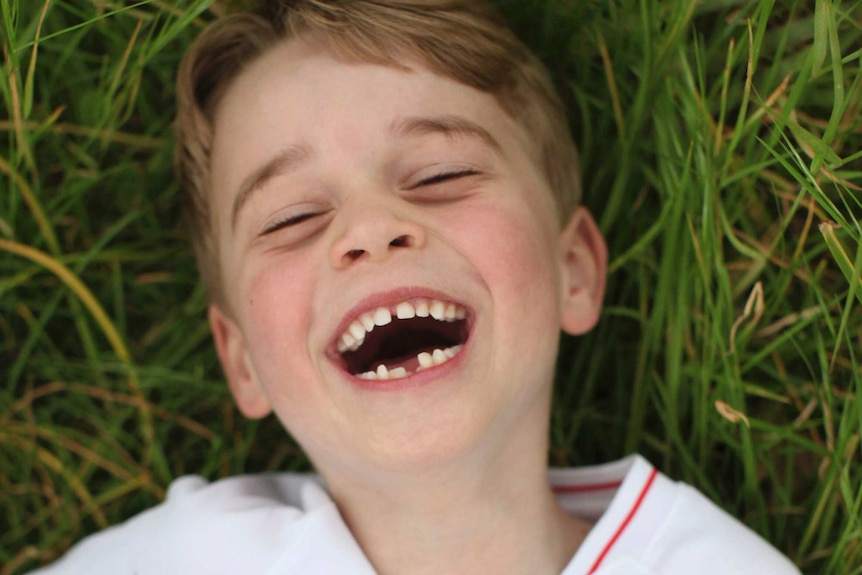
(731,414)
(754,306)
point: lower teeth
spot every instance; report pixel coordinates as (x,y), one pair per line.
(426,360)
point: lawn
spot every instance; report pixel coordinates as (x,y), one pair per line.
(722,152)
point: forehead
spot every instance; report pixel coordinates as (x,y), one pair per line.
(300,100)
(301,93)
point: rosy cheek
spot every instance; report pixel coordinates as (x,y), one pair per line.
(515,249)
(529,263)
(276,304)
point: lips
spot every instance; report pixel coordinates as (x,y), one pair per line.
(402,336)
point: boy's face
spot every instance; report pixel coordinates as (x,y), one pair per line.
(341,190)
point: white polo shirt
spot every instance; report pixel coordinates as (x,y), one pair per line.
(286,523)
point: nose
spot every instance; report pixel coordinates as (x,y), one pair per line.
(373,233)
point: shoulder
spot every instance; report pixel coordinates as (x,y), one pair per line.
(651,525)
(696,532)
(240,524)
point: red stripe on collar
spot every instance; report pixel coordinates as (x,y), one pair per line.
(625,522)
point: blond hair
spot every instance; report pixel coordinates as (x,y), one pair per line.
(464,40)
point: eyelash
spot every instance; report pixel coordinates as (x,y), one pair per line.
(445,176)
(438,179)
(287,222)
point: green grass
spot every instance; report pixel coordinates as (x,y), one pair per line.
(721,147)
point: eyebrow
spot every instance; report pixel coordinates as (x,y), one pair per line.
(293,156)
(449,126)
(285,161)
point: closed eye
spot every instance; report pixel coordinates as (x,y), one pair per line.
(288,222)
(445,176)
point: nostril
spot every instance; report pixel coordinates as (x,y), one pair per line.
(355,254)
(400,242)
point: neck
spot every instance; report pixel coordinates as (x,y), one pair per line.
(491,512)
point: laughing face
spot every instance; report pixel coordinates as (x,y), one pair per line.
(394,272)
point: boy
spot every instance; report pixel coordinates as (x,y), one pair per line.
(385,200)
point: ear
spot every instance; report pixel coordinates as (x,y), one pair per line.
(232,351)
(584,265)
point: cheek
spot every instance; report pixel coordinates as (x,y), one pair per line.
(274,297)
(513,247)
(277,299)
(515,255)
(525,269)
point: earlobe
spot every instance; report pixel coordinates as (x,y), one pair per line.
(232,350)
(584,262)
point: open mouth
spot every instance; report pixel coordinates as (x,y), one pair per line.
(396,342)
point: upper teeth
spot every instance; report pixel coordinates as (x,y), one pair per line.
(354,336)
